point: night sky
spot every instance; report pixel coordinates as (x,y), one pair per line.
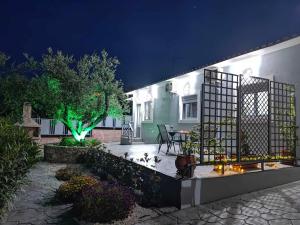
(153,39)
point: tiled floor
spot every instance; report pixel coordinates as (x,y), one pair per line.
(167,163)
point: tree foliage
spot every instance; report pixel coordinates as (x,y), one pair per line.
(12,95)
(3,59)
(79,93)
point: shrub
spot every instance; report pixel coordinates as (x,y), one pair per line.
(70,191)
(67,173)
(17,154)
(70,141)
(105,202)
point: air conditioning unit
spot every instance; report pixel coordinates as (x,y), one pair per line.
(169,87)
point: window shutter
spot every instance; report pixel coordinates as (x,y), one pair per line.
(189,98)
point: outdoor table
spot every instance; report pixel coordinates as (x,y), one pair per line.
(181,133)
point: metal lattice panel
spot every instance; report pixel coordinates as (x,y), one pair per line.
(219,117)
(254,118)
(246,119)
(283,121)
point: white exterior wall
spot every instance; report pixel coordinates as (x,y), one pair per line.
(279,62)
(282,66)
(167,106)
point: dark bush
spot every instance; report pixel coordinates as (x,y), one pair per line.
(17,154)
(70,141)
(67,173)
(104,202)
(70,191)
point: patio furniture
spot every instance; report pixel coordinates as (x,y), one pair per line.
(164,138)
(183,137)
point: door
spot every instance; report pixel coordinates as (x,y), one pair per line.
(138,120)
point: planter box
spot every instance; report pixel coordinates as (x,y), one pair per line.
(64,154)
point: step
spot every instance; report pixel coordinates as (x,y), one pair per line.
(137,140)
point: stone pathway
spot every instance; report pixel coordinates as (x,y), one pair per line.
(32,204)
(275,206)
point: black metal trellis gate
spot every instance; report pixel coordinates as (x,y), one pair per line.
(246,119)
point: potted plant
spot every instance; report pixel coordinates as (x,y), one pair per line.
(186,160)
(219,149)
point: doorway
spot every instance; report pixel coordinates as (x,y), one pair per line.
(138,121)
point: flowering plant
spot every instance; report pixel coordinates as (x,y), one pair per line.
(70,191)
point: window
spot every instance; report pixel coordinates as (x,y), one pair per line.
(262,103)
(148,110)
(255,104)
(249,104)
(189,107)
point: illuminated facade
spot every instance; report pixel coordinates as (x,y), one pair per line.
(176,101)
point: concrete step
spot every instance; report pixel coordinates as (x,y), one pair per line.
(137,140)
(137,143)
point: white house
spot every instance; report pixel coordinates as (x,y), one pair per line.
(177,101)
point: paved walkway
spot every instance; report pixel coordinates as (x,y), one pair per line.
(32,206)
(279,205)
(276,206)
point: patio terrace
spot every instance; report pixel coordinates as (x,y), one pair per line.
(167,164)
(206,185)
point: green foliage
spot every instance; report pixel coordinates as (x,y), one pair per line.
(192,145)
(288,129)
(70,191)
(17,154)
(105,202)
(70,141)
(3,59)
(67,173)
(13,88)
(79,93)
(43,99)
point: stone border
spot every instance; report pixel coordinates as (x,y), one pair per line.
(170,187)
(54,153)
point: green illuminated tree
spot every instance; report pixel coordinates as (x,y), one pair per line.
(79,93)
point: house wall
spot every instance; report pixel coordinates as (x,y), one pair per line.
(282,66)
(166,105)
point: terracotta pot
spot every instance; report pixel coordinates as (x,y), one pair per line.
(190,159)
(180,162)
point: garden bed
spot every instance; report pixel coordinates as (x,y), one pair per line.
(152,187)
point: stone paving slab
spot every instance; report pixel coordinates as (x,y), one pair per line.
(275,206)
(31,205)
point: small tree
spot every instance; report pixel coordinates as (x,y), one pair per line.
(79,93)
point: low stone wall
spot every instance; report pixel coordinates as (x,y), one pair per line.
(63,154)
(103,135)
(160,189)
(107,135)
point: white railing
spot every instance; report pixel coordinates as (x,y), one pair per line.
(127,130)
(127,133)
(54,127)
